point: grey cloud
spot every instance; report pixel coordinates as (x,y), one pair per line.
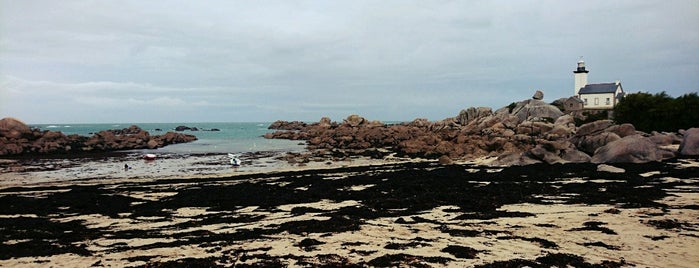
(389,60)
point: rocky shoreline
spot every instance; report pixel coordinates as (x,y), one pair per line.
(17,139)
(526,132)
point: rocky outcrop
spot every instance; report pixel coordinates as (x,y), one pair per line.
(538,95)
(529,131)
(630,149)
(690,142)
(17,138)
(284,125)
(12,128)
(473,113)
(186,128)
(536,110)
(591,136)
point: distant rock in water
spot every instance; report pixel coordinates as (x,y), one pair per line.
(17,138)
(284,125)
(184,128)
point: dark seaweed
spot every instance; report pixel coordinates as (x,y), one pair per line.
(402,191)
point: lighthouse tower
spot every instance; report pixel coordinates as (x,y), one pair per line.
(580,76)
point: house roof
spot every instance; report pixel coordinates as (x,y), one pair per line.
(598,88)
(575,99)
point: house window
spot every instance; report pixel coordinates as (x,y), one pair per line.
(608,102)
(596,101)
(585,101)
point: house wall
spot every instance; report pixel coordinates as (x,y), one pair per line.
(598,101)
(618,92)
(572,105)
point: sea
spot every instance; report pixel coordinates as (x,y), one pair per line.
(229,137)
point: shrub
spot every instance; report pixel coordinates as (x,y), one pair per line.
(658,112)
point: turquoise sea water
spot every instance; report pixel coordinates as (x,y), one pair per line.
(232,137)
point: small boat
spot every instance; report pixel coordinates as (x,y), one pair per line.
(149,156)
(235,161)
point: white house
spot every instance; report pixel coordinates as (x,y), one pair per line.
(602,96)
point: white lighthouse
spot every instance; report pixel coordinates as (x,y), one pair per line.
(580,76)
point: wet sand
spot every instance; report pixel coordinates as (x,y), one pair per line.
(353,214)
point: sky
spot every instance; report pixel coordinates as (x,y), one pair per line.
(260,61)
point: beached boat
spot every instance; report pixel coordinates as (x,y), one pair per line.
(149,156)
(235,161)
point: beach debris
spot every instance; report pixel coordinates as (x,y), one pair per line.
(610,169)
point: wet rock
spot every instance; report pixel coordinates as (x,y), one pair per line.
(445,160)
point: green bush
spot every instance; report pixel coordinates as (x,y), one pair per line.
(658,112)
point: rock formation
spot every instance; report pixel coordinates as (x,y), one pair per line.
(690,142)
(17,138)
(630,149)
(529,131)
(538,95)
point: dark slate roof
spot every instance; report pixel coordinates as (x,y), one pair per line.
(576,99)
(598,88)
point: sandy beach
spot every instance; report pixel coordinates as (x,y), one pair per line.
(196,212)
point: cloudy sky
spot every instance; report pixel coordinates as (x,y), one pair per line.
(244,61)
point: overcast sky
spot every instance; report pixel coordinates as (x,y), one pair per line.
(245,61)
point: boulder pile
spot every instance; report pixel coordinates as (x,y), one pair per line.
(529,131)
(17,138)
